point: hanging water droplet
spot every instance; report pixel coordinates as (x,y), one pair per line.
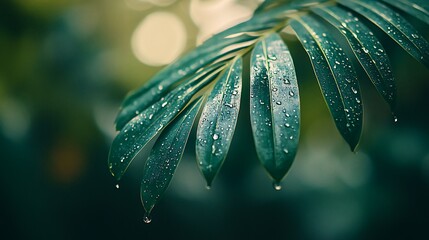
(277,186)
(395,119)
(117,186)
(208,187)
(146,218)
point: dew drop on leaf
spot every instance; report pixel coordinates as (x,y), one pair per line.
(117,186)
(215,136)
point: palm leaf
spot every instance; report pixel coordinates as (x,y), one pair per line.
(337,79)
(218,119)
(394,25)
(214,69)
(142,128)
(416,8)
(165,157)
(366,47)
(274,104)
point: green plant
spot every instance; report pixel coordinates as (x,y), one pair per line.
(210,78)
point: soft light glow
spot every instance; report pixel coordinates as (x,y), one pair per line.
(146,4)
(159,39)
(213,16)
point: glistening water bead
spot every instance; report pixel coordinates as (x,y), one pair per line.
(277,186)
(146,218)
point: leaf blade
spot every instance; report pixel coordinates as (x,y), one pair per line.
(218,120)
(367,49)
(142,128)
(399,29)
(165,157)
(275,106)
(335,75)
(418,9)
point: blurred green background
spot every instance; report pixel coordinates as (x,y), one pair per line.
(65,67)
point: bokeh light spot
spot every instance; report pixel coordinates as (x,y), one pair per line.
(159,39)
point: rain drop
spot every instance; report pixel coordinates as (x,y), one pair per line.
(215,136)
(395,118)
(279,103)
(287,125)
(277,186)
(117,186)
(146,218)
(291,93)
(208,187)
(229,105)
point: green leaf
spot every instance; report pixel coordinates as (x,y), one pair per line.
(336,76)
(142,128)
(217,123)
(275,106)
(399,29)
(165,157)
(366,48)
(418,9)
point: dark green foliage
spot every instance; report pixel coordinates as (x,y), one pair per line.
(165,156)
(214,69)
(217,123)
(274,105)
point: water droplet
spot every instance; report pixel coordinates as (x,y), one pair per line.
(272,57)
(275,89)
(279,103)
(117,186)
(277,186)
(286,150)
(229,105)
(291,93)
(235,92)
(215,136)
(147,219)
(163,104)
(160,87)
(287,125)
(395,118)
(208,187)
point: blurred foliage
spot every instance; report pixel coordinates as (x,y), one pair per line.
(66,65)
